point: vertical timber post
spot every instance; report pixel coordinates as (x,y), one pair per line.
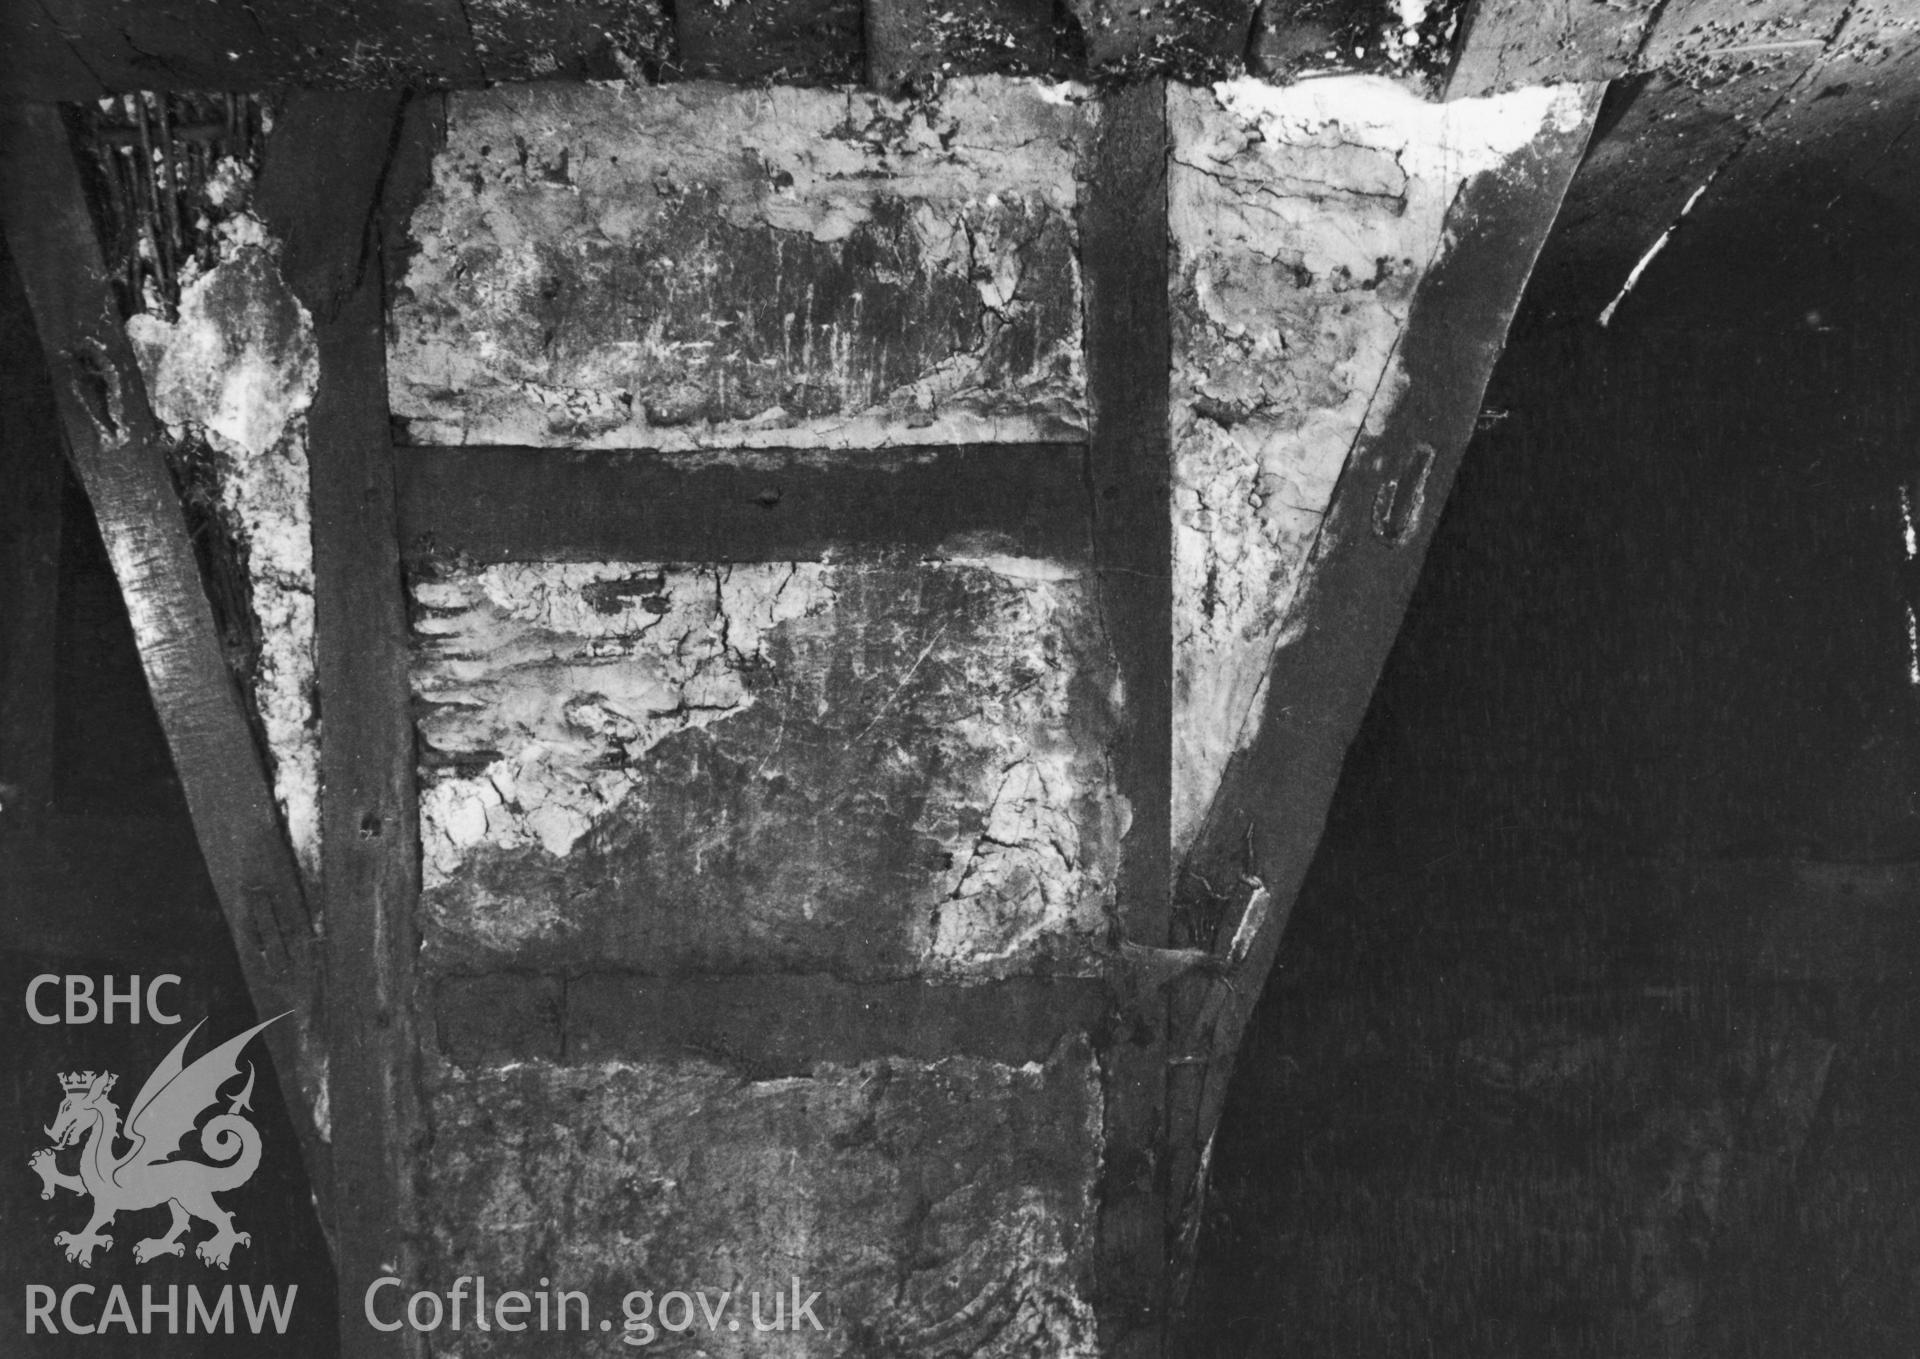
(1124,248)
(320,192)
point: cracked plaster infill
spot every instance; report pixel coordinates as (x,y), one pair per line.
(1303,219)
(1043,862)
(238,371)
(940,1209)
(567,674)
(545,687)
(691,266)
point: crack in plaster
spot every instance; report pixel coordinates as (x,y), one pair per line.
(544,689)
(545,188)
(556,678)
(1028,874)
(948,1206)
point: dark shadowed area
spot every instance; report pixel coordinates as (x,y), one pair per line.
(1594,1032)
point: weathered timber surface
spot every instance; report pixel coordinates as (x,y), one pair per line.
(915,45)
(31,470)
(872,769)
(1506,44)
(1717,89)
(1190,39)
(319,192)
(535,504)
(938,1208)
(117,450)
(1866,67)
(318,189)
(600,1017)
(1303,221)
(79,49)
(689,266)
(124,45)
(1265,819)
(1124,229)
(799,42)
(577,39)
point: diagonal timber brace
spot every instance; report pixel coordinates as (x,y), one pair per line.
(117,449)
(1261,826)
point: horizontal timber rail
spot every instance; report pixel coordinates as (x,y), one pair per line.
(603,1016)
(543,504)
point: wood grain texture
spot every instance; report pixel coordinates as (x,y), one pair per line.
(1265,821)
(912,45)
(1705,94)
(536,504)
(117,449)
(1505,44)
(319,192)
(1124,244)
(796,42)
(55,50)
(606,1016)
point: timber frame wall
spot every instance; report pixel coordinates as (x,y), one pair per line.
(341,174)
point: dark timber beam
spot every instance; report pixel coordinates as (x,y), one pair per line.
(319,190)
(1702,87)
(605,1016)
(913,44)
(81,49)
(1198,41)
(1264,824)
(118,450)
(1123,228)
(794,42)
(543,504)
(1508,43)
(56,49)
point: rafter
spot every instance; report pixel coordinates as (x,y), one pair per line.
(118,450)
(542,504)
(1264,823)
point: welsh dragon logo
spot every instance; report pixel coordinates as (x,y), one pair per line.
(165,1111)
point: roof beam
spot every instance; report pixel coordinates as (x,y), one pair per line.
(118,450)
(545,504)
(1669,136)
(127,45)
(617,1016)
(794,42)
(1265,822)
